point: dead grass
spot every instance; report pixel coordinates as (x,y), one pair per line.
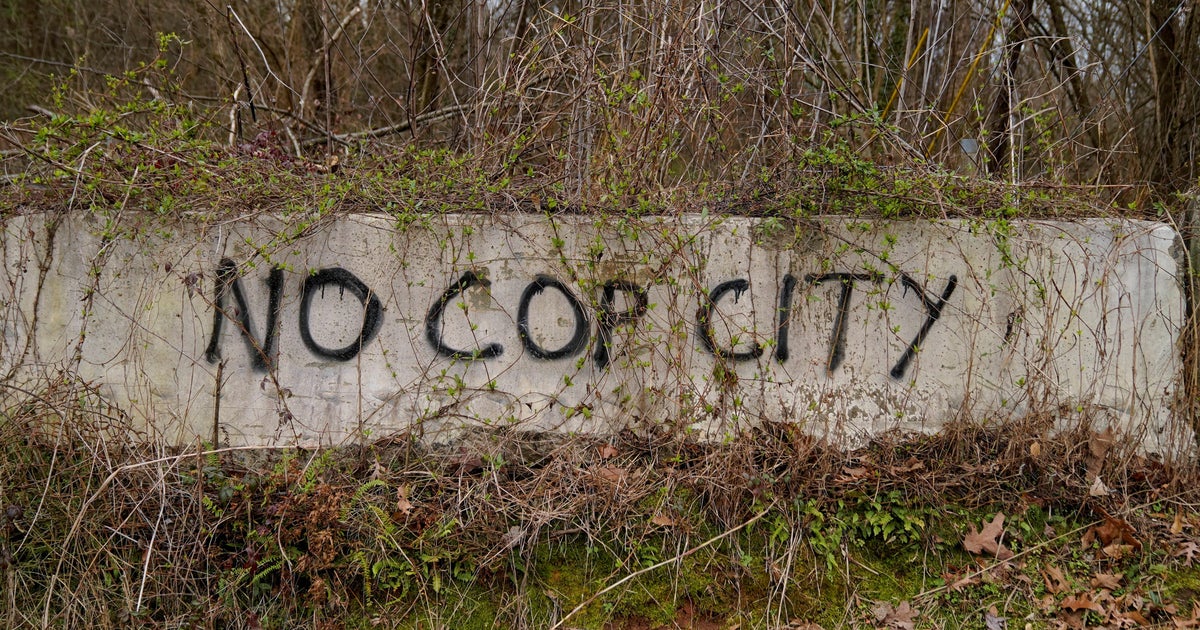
(104,528)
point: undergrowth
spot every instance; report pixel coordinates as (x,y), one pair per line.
(134,147)
(103,529)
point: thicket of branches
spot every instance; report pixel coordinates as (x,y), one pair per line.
(652,93)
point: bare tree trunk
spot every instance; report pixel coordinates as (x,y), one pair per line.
(1000,126)
(431,21)
(1064,49)
(1170,163)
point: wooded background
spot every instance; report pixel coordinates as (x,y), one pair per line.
(650,92)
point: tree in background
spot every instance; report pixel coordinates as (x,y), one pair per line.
(655,93)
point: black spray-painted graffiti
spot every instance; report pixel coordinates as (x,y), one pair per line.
(838,340)
(262,347)
(433,322)
(837,343)
(344,281)
(610,319)
(579,337)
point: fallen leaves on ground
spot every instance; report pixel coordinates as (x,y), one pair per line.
(901,617)
(1106,593)
(1106,580)
(911,465)
(993,620)
(1188,551)
(1098,488)
(1135,617)
(1056,582)
(988,540)
(851,475)
(957,583)
(1098,447)
(1116,537)
(403,505)
(1083,601)
(1117,531)
(611,474)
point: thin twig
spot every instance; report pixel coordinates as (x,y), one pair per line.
(266,64)
(162,506)
(235,118)
(433,116)
(38,109)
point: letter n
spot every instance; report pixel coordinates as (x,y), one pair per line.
(262,349)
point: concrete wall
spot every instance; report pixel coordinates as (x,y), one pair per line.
(361,326)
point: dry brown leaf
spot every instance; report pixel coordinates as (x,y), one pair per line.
(962,582)
(1195,618)
(993,621)
(1188,551)
(1056,582)
(378,471)
(1115,530)
(1105,598)
(902,617)
(607,451)
(611,474)
(850,475)
(1083,601)
(1107,580)
(1098,488)
(1135,617)
(1072,620)
(988,540)
(1032,500)
(1098,445)
(1133,601)
(1035,449)
(1177,526)
(1116,552)
(912,465)
(663,520)
(403,505)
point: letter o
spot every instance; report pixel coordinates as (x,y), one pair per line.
(345,281)
(578,339)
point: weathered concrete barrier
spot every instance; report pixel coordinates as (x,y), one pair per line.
(260,332)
